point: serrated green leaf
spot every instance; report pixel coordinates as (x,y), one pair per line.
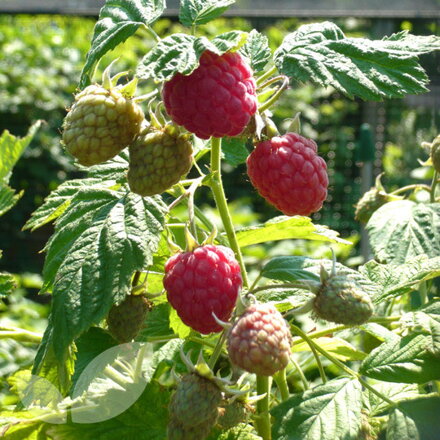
(426,320)
(114,169)
(338,347)
(257,50)
(195,12)
(331,411)
(11,148)
(415,419)
(59,200)
(403,360)
(98,243)
(8,198)
(177,326)
(118,20)
(394,391)
(372,70)
(399,279)
(234,151)
(180,53)
(7,284)
(404,229)
(282,228)
(157,323)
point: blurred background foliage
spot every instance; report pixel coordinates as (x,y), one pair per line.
(40,61)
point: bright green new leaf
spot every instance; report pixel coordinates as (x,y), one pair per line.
(257,50)
(282,228)
(177,326)
(11,148)
(404,229)
(331,411)
(118,20)
(398,279)
(8,198)
(195,12)
(180,53)
(371,70)
(403,360)
(7,284)
(339,348)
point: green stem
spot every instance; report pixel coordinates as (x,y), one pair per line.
(271,81)
(20,335)
(262,419)
(216,185)
(139,362)
(312,346)
(409,187)
(217,350)
(152,33)
(341,365)
(433,185)
(266,75)
(423,291)
(281,381)
(302,376)
(275,96)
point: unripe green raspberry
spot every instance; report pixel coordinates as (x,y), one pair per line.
(231,414)
(177,431)
(195,401)
(370,202)
(100,124)
(125,320)
(259,341)
(158,160)
(342,300)
(435,153)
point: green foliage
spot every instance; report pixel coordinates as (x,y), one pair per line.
(195,12)
(322,54)
(257,50)
(404,229)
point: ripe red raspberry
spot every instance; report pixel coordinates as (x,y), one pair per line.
(289,174)
(201,283)
(216,99)
(259,341)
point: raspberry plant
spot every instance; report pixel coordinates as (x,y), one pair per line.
(130,236)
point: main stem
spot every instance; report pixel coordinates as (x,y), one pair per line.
(222,205)
(262,420)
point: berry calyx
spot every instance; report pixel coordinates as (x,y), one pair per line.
(259,341)
(288,173)
(100,124)
(201,283)
(158,160)
(217,99)
(126,319)
(341,300)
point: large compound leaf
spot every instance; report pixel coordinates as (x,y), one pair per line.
(331,411)
(194,12)
(118,20)
(8,198)
(100,240)
(180,53)
(415,419)
(371,70)
(399,279)
(281,228)
(257,50)
(403,359)
(404,229)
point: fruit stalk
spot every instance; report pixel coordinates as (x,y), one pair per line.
(222,205)
(263,416)
(280,379)
(433,185)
